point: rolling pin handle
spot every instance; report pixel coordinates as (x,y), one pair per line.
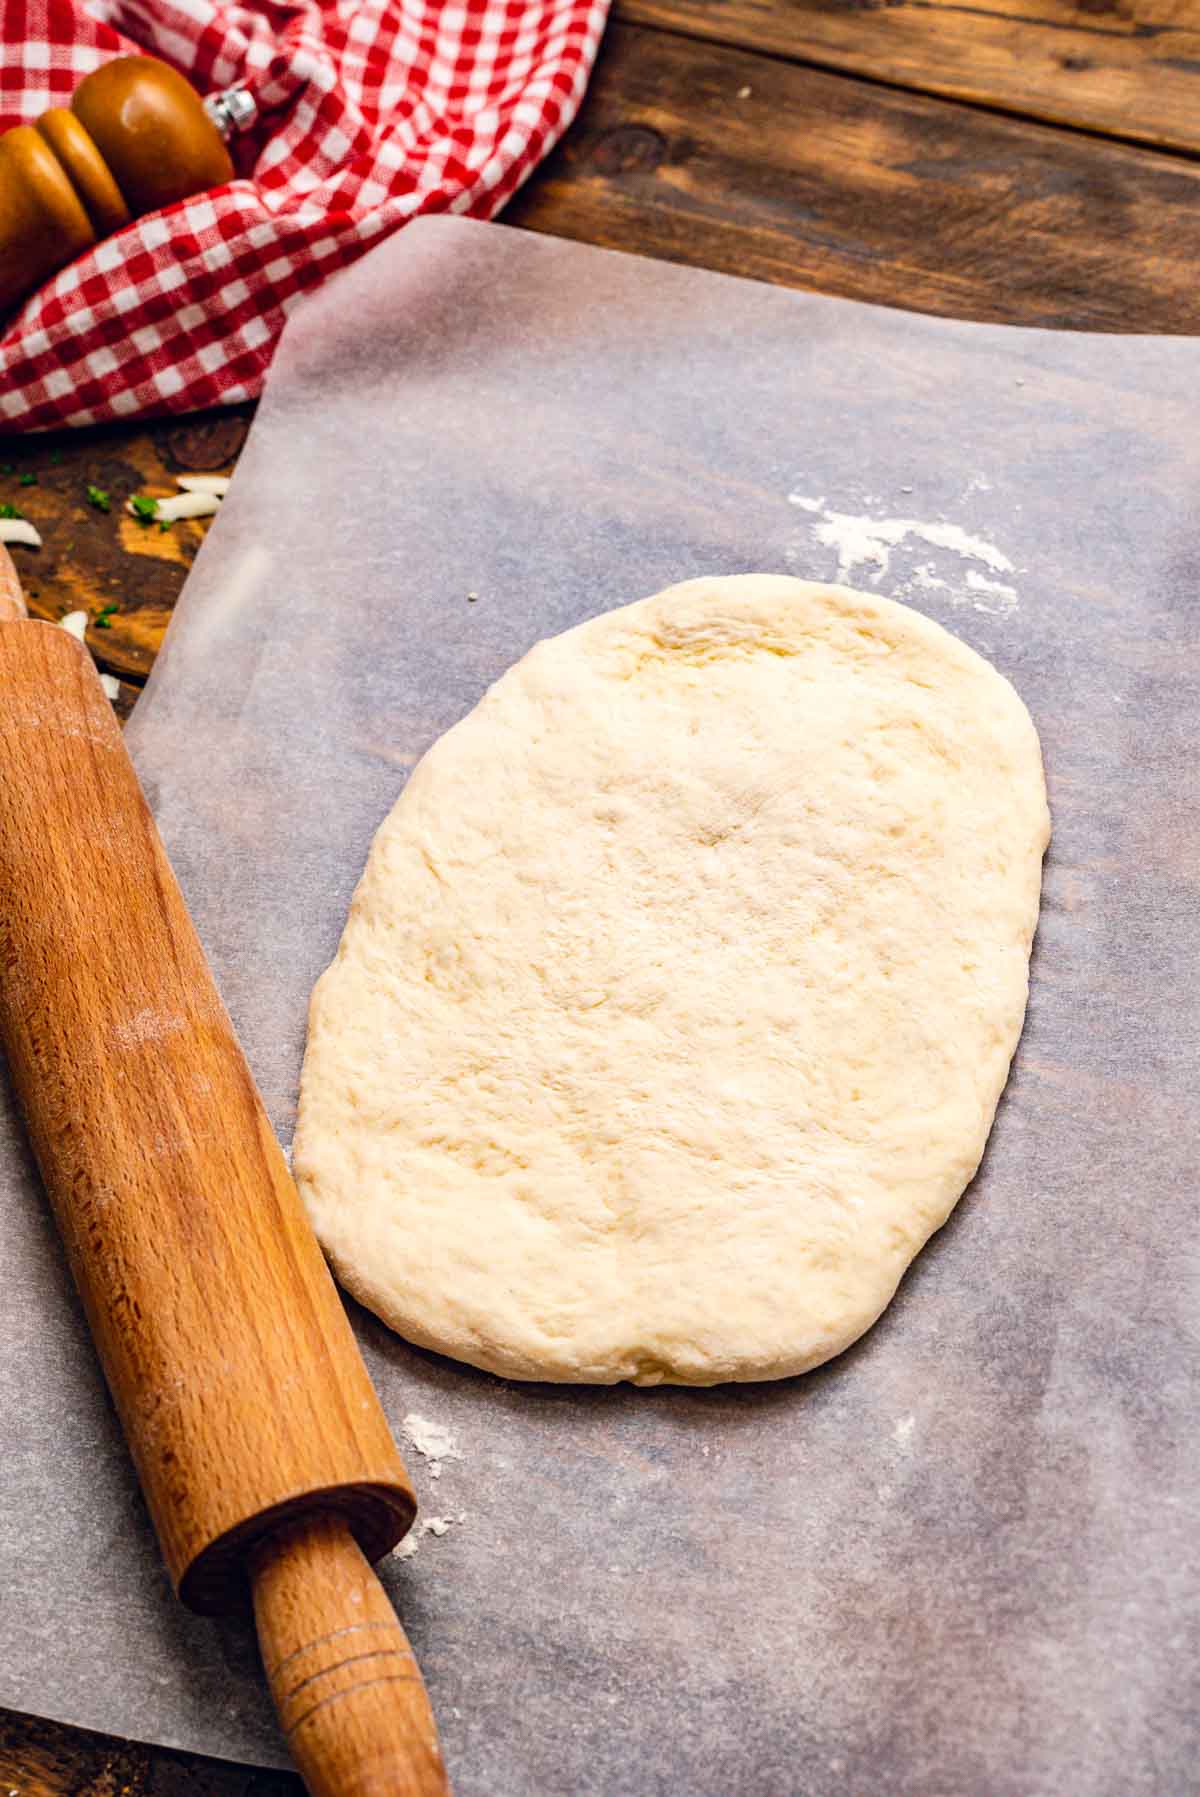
(347,1688)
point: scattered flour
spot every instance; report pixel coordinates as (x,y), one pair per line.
(433,1442)
(950,536)
(902,1433)
(859,540)
(926,581)
(428,1525)
(436,1444)
(1004,598)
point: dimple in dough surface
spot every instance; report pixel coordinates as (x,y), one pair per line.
(679,990)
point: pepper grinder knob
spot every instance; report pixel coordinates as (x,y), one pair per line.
(136,137)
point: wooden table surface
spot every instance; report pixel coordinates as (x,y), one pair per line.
(1027,161)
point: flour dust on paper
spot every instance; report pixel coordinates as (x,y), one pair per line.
(436,1444)
(967,567)
(433,1441)
(437,1526)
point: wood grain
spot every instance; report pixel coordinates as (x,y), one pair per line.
(47,1759)
(739,162)
(91,559)
(1127,69)
(247,1408)
(361,1680)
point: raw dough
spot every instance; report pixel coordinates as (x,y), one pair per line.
(679,990)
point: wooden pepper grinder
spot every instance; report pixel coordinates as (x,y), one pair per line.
(136,137)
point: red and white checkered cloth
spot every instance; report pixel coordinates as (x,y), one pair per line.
(370,111)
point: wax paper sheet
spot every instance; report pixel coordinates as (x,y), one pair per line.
(962,1557)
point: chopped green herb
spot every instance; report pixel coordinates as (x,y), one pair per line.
(9,511)
(143,508)
(164,524)
(28,480)
(104,617)
(56,458)
(7,468)
(99,498)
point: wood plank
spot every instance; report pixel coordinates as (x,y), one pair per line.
(1128,70)
(92,559)
(47,1759)
(736,161)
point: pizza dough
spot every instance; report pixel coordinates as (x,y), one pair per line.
(676,998)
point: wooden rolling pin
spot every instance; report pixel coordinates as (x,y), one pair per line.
(260,1444)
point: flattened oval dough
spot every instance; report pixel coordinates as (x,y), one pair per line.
(679,990)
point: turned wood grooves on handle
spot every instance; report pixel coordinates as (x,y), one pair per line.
(347,1688)
(230,1359)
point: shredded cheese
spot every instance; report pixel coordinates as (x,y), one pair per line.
(216,484)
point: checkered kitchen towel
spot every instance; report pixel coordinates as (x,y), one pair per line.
(370,111)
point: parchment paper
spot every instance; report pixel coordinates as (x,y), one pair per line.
(960,1559)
